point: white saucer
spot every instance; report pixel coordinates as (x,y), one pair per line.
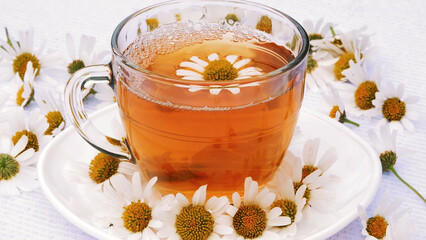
(358,169)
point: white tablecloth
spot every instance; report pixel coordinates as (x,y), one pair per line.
(399,30)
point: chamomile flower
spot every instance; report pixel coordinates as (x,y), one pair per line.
(319,70)
(85,55)
(96,172)
(17,54)
(396,109)
(366,82)
(290,202)
(34,126)
(196,220)
(353,45)
(131,209)
(16,172)
(252,217)
(316,194)
(52,108)
(377,226)
(317,31)
(337,111)
(22,90)
(105,94)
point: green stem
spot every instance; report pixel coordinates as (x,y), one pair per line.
(351,122)
(332,31)
(408,185)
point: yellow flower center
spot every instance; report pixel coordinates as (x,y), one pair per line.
(342,64)
(365,94)
(264,24)
(54,119)
(315,36)
(136,216)
(376,227)
(231,18)
(388,159)
(194,222)
(312,65)
(393,109)
(20,64)
(334,111)
(9,167)
(102,167)
(288,208)
(249,221)
(220,70)
(20,100)
(75,66)
(32,140)
(307,194)
(152,23)
(178,18)
(307,169)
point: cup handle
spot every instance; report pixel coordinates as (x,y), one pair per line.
(74,109)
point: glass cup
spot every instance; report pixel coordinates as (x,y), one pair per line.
(190,133)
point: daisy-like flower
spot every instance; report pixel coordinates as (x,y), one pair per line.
(217,69)
(34,126)
(317,31)
(316,194)
(319,70)
(252,217)
(52,107)
(22,89)
(97,172)
(338,112)
(85,54)
(396,109)
(385,145)
(353,45)
(17,54)
(291,204)
(359,95)
(377,226)
(131,210)
(196,220)
(16,172)
(105,94)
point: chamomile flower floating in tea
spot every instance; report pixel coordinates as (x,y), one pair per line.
(131,209)
(290,202)
(378,226)
(366,82)
(52,108)
(17,54)
(252,217)
(97,172)
(34,126)
(396,109)
(385,144)
(22,90)
(198,219)
(16,172)
(337,110)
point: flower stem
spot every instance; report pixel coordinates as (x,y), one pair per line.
(332,31)
(351,122)
(408,185)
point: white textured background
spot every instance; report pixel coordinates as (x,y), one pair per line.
(399,30)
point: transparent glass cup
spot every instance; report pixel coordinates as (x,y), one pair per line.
(192,133)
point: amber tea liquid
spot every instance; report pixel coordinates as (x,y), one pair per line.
(192,138)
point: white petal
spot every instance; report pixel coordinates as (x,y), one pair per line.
(199,197)
(241,63)
(20,145)
(192,65)
(233,90)
(199,61)
(231,58)
(213,57)
(188,73)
